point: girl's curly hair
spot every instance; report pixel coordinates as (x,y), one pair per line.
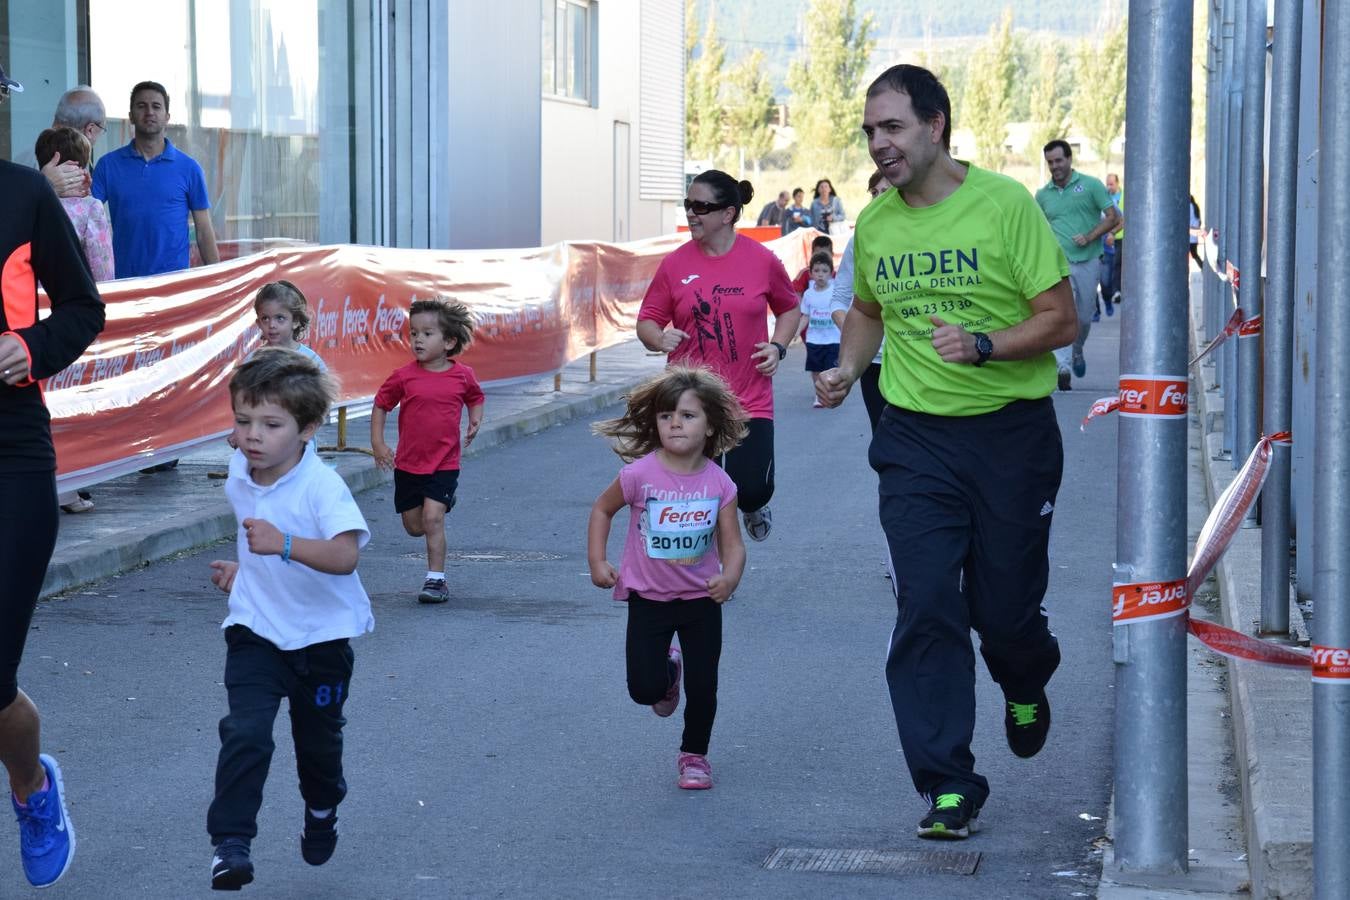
(635,433)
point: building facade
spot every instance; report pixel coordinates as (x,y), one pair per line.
(409,123)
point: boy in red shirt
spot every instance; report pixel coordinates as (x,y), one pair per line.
(433,390)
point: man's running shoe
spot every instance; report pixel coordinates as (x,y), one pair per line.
(231,868)
(434,591)
(46,837)
(1027,724)
(952,818)
(695,772)
(1065,382)
(758,523)
(319,837)
(1079,365)
(667,704)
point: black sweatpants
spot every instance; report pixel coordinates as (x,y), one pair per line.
(27,539)
(316,681)
(870,383)
(750,466)
(651,624)
(966,505)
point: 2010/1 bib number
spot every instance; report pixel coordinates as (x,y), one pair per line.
(680,530)
(686,544)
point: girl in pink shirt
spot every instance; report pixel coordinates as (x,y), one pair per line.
(683,555)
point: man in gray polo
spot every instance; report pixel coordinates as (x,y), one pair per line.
(1079,212)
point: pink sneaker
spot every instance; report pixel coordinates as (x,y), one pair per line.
(668,704)
(695,773)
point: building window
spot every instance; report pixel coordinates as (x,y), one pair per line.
(568,51)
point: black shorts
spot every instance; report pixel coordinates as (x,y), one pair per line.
(411,489)
(820,357)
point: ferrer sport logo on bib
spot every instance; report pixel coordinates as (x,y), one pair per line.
(680,530)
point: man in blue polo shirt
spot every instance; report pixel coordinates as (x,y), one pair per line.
(151,187)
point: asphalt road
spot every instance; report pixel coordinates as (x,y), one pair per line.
(492,750)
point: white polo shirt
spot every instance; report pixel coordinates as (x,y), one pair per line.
(288,603)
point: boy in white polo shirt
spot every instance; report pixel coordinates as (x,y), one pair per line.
(295,600)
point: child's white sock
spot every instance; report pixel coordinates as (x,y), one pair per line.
(435,575)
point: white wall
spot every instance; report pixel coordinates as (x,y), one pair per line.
(577,172)
(492,134)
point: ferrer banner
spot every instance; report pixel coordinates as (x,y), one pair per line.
(155,382)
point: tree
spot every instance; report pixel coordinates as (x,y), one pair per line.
(987,100)
(1099,100)
(1048,106)
(703,115)
(827,102)
(749,109)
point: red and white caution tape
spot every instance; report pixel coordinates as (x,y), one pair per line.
(1227,515)
(1101,407)
(1159,600)
(1234,324)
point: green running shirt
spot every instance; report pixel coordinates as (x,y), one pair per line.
(975,259)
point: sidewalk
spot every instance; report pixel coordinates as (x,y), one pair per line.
(1271,706)
(141,518)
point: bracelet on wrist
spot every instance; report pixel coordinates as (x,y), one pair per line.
(286,549)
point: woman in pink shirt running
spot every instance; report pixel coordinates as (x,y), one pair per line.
(708,305)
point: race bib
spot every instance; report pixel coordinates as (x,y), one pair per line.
(820,324)
(680,530)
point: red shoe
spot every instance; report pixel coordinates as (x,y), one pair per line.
(695,773)
(668,704)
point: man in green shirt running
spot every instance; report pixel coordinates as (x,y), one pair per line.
(1079,211)
(960,271)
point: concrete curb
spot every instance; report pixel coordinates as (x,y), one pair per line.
(1272,707)
(81,565)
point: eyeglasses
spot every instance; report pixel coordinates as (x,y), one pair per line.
(100,126)
(699,208)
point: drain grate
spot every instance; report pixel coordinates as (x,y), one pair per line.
(873,862)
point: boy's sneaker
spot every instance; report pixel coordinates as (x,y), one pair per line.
(695,772)
(1065,382)
(434,591)
(231,868)
(758,523)
(667,704)
(46,837)
(1079,365)
(319,837)
(1027,724)
(952,818)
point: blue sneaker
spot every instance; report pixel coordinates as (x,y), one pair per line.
(1079,365)
(46,837)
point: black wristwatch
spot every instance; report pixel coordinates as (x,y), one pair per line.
(983,346)
(782,351)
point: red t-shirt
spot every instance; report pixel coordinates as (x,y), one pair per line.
(722,303)
(802,281)
(428,424)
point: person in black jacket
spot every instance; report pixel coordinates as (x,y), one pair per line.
(37,245)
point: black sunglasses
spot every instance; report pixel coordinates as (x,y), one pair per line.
(699,208)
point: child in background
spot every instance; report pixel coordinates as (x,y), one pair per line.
(295,602)
(283,318)
(683,555)
(90,219)
(796,216)
(822,332)
(820,243)
(433,390)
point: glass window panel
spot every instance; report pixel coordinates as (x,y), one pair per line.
(548,54)
(577,36)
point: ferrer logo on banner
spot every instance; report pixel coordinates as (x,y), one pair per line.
(1166,396)
(1330,665)
(1152,600)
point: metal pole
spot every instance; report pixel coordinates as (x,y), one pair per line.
(1331,625)
(1150,656)
(1279,312)
(1214,180)
(1232,214)
(1253,39)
